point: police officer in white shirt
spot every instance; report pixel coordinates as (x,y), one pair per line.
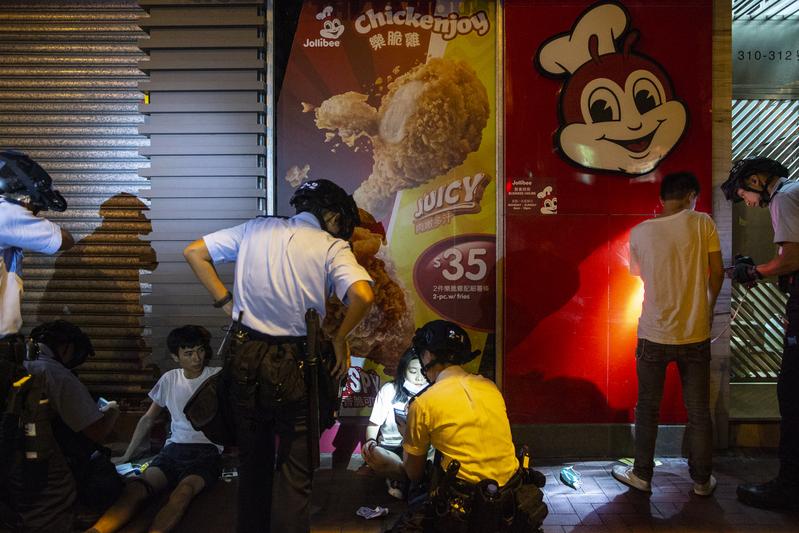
(283,268)
(25,189)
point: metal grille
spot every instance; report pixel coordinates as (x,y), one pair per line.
(769,128)
(205,115)
(69,98)
(756,340)
(764,9)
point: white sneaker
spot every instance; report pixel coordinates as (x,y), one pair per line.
(705,489)
(626,475)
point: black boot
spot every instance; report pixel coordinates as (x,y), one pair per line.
(775,494)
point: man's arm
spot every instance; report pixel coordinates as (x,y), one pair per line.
(414,465)
(67,241)
(141,432)
(715,279)
(99,430)
(199,259)
(785,262)
(360,297)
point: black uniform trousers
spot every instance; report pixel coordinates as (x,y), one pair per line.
(274,488)
(788,391)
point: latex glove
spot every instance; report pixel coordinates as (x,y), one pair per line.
(744,270)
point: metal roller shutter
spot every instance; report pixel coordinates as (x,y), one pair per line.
(205,115)
(69,98)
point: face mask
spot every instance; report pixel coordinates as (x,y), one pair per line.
(412,388)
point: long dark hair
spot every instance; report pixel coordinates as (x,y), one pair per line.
(400,394)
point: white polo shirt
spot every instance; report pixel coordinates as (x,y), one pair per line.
(19,230)
(284,267)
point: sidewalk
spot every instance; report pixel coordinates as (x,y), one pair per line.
(601,505)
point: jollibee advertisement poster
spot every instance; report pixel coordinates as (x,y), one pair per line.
(396,103)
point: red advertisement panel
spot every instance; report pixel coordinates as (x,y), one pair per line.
(601,101)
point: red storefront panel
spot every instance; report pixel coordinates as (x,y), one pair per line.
(571,195)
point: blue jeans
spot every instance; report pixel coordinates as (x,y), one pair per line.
(693,362)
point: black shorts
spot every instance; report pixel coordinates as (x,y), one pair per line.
(177,461)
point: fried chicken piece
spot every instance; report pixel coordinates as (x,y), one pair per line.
(388,328)
(430,119)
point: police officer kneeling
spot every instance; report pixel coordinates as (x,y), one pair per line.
(478,484)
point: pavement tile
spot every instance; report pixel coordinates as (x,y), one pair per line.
(614,508)
(599,528)
(613,521)
(562,519)
(588,498)
(666,509)
(560,505)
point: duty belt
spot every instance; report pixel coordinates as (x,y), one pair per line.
(255,335)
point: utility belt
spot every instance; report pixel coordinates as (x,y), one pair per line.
(458,505)
(246,333)
(789,283)
(264,374)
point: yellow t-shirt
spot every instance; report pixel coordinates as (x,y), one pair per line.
(463,416)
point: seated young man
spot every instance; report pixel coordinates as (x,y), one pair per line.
(189,462)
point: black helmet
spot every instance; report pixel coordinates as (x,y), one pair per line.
(61,333)
(744,168)
(315,196)
(22,178)
(447,341)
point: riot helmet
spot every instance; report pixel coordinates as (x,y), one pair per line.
(446,341)
(317,196)
(23,181)
(744,168)
(60,333)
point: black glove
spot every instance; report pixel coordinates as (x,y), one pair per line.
(744,270)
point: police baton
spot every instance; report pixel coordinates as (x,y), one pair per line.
(312,360)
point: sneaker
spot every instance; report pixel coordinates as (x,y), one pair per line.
(775,494)
(626,475)
(707,488)
(395,489)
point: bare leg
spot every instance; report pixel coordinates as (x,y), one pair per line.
(128,504)
(170,514)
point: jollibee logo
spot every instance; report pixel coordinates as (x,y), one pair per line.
(618,110)
(332,28)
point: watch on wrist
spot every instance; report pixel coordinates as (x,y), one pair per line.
(223,300)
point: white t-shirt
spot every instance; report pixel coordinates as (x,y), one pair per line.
(671,256)
(19,230)
(282,266)
(383,416)
(173,391)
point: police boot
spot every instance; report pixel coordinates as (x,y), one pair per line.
(775,494)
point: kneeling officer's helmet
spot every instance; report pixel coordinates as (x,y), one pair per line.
(447,341)
(315,196)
